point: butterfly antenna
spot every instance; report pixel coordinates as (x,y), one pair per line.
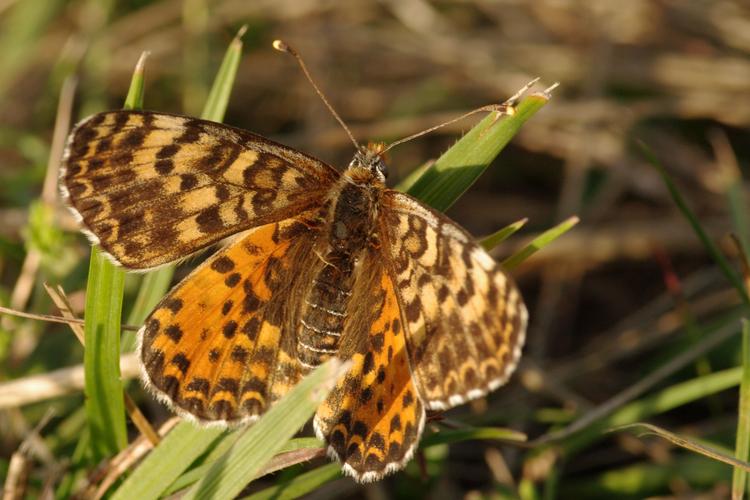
(282,46)
(508,108)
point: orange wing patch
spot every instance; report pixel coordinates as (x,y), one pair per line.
(221,345)
(153,188)
(373,419)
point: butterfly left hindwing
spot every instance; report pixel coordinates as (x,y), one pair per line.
(221,346)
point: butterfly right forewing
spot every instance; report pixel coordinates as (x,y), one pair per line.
(153,188)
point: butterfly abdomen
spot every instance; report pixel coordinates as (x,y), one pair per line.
(325,305)
(322,322)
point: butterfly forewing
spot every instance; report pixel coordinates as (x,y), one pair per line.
(153,188)
(465,320)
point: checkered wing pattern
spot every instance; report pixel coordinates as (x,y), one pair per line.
(464,318)
(152,188)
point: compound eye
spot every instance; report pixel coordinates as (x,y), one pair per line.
(382,168)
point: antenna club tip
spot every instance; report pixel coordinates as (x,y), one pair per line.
(281,46)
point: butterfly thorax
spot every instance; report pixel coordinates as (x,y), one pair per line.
(350,232)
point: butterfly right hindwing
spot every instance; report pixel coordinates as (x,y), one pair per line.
(465,320)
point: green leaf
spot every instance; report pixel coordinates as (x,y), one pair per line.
(655,404)
(503,234)
(540,242)
(105,406)
(476,433)
(260,442)
(742,444)
(457,169)
(218,97)
(194,474)
(693,445)
(300,485)
(134,99)
(174,454)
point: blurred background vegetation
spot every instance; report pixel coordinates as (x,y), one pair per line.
(631,318)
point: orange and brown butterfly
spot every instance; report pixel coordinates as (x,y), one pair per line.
(327,264)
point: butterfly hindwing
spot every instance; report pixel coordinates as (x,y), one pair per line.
(221,345)
(465,320)
(373,418)
(153,188)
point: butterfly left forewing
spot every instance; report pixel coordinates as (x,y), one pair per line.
(221,347)
(465,320)
(152,188)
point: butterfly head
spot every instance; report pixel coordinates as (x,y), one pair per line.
(371,159)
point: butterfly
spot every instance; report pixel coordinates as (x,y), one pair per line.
(322,263)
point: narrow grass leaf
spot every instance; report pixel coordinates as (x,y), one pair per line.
(742,444)
(503,234)
(218,97)
(176,451)
(739,209)
(134,99)
(152,289)
(686,443)
(540,242)
(457,169)
(407,182)
(260,442)
(710,246)
(658,403)
(300,485)
(647,479)
(105,405)
(194,474)
(478,433)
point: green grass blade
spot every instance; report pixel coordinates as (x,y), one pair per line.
(739,209)
(742,445)
(260,442)
(134,99)
(193,475)
(479,433)
(105,406)
(180,448)
(457,169)
(300,485)
(153,287)
(503,234)
(710,246)
(660,402)
(689,444)
(540,242)
(407,182)
(218,97)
